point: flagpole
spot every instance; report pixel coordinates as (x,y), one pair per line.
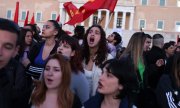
(100,20)
(109,20)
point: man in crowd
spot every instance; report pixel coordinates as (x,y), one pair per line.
(113,41)
(155,59)
(12,75)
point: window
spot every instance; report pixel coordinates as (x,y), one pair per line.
(142,23)
(53,16)
(9,14)
(23,15)
(38,16)
(144,2)
(178,3)
(95,19)
(160,25)
(162,2)
(119,23)
(177,26)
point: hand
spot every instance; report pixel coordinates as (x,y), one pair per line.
(159,62)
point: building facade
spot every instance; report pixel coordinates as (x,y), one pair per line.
(150,16)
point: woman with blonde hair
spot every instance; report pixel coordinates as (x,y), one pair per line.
(134,52)
(53,91)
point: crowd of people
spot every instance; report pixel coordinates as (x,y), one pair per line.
(86,70)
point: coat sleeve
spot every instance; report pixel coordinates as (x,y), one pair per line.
(165,93)
(76,102)
(81,87)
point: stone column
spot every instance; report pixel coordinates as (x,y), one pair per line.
(115,19)
(107,19)
(90,20)
(61,14)
(123,20)
(82,23)
(131,21)
(99,14)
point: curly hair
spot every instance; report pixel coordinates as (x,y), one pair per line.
(102,51)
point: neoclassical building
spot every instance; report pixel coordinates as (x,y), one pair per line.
(151,16)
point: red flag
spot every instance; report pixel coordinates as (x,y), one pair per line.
(58,18)
(91,7)
(85,11)
(109,4)
(16,14)
(70,8)
(26,20)
(32,20)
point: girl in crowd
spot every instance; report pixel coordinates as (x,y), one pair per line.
(114,41)
(135,53)
(26,37)
(168,89)
(114,87)
(70,48)
(41,51)
(53,91)
(95,52)
(33,28)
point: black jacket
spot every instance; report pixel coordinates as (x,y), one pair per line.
(168,94)
(76,102)
(154,73)
(143,96)
(13,86)
(36,49)
(95,102)
(5,90)
(33,69)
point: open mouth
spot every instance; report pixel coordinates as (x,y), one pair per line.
(100,85)
(59,52)
(49,80)
(91,40)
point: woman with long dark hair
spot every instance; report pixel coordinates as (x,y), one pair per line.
(95,52)
(41,51)
(26,37)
